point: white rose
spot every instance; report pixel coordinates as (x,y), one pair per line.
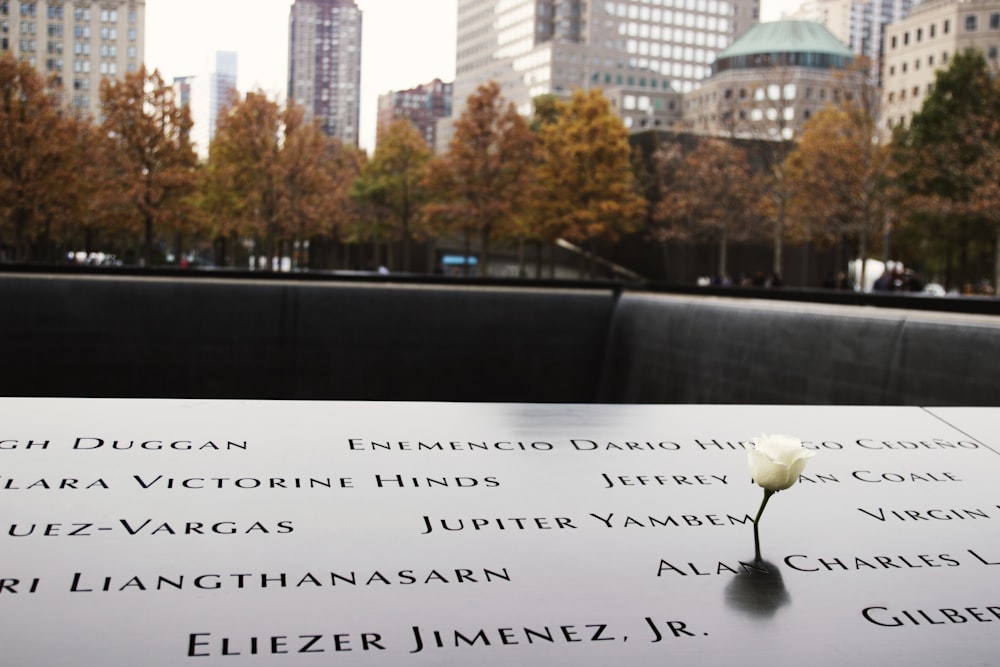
(776,461)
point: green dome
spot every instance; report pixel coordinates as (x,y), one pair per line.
(792,43)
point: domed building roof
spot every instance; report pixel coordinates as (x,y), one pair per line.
(785,43)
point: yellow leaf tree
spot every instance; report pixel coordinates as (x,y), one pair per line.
(839,178)
(242,176)
(586,186)
(393,181)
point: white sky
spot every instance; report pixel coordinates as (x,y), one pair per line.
(404,43)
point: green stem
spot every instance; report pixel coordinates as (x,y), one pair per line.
(756,536)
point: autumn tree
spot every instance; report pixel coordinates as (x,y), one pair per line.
(482,184)
(316,172)
(81,223)
(39,171)
(242,176)
(274,178)
(839,176)
(586,186)
(151,169)
(763,110)
(947,160)
(710,194)
(393,181)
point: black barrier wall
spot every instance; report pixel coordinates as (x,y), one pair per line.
(130,336)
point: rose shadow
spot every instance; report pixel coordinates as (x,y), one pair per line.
(758,591)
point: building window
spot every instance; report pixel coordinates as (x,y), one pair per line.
(971,22)
(920,34)
(991,53)
(994,21)
(906,38)
(933,29)
(947,26)
(893,41)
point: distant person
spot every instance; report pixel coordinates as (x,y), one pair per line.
(884,282)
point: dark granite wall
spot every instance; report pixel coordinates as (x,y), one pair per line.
(681,349)
(129,336)
(197,338)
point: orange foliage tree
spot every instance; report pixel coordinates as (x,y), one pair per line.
(274,179)
(392,182)
(483,183)
(40,176)
(710,194)
(151,169)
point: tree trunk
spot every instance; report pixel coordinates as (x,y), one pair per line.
(148,250)
(466,250)
(779,233)
(21,216)
(666,263)
(863,255)
(521,258)
(406,243)
(723,256)
(592,258)
(178,247)
(484,245)
(996,266)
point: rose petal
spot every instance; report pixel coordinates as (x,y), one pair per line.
(766,472)
(776,461)
(781,448)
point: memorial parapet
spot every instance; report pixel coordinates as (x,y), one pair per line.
(180,532)
(182,337)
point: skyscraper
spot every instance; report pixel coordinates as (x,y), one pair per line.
(222,85)
(78,43)
(534,47)
(423,105)
(859,24)
(324,64)
(924,43)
